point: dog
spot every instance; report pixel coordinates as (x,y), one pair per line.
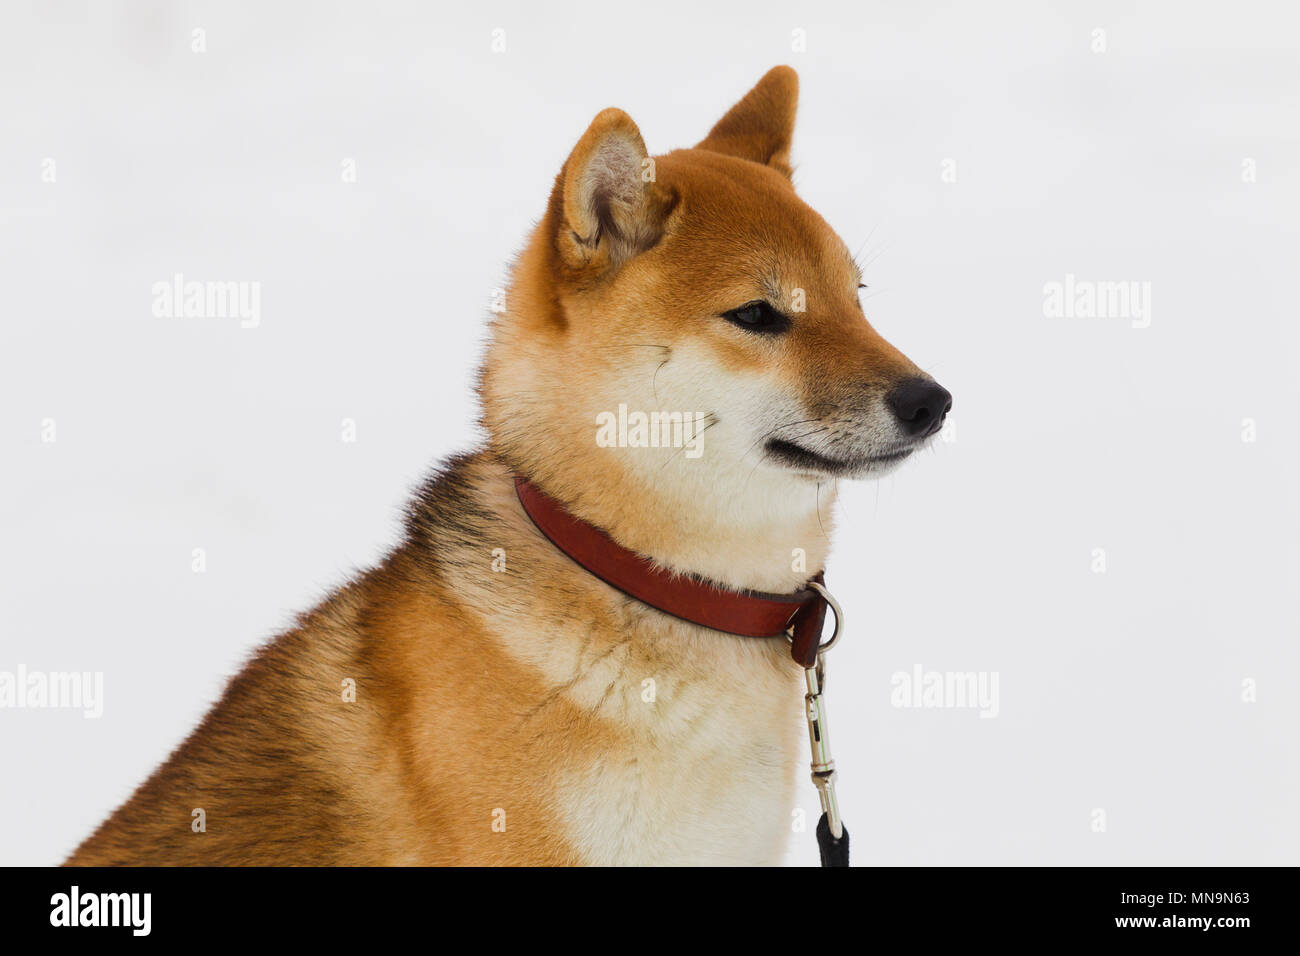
(479,697)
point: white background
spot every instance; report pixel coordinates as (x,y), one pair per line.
(1119,691)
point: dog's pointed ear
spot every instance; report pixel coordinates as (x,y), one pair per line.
(761,126)
(609,201)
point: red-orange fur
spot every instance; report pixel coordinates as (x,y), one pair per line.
(481,691)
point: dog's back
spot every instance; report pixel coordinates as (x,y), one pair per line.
(277,771)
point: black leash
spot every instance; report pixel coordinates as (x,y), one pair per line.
(834,852)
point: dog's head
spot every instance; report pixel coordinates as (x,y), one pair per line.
(698,283)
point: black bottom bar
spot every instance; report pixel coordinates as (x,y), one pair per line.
(1163,905)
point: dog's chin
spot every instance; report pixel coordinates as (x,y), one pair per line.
(811,465)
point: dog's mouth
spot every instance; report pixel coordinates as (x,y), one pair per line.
(804,459)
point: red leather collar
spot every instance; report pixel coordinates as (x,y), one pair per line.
(745,613)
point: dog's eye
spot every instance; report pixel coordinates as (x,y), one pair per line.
(758,317)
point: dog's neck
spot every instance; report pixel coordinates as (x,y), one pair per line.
(773,537)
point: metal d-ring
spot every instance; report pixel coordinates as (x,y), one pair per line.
(839,616)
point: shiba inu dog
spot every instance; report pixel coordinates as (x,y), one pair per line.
(481,699)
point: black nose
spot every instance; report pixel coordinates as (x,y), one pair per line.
(919,404)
